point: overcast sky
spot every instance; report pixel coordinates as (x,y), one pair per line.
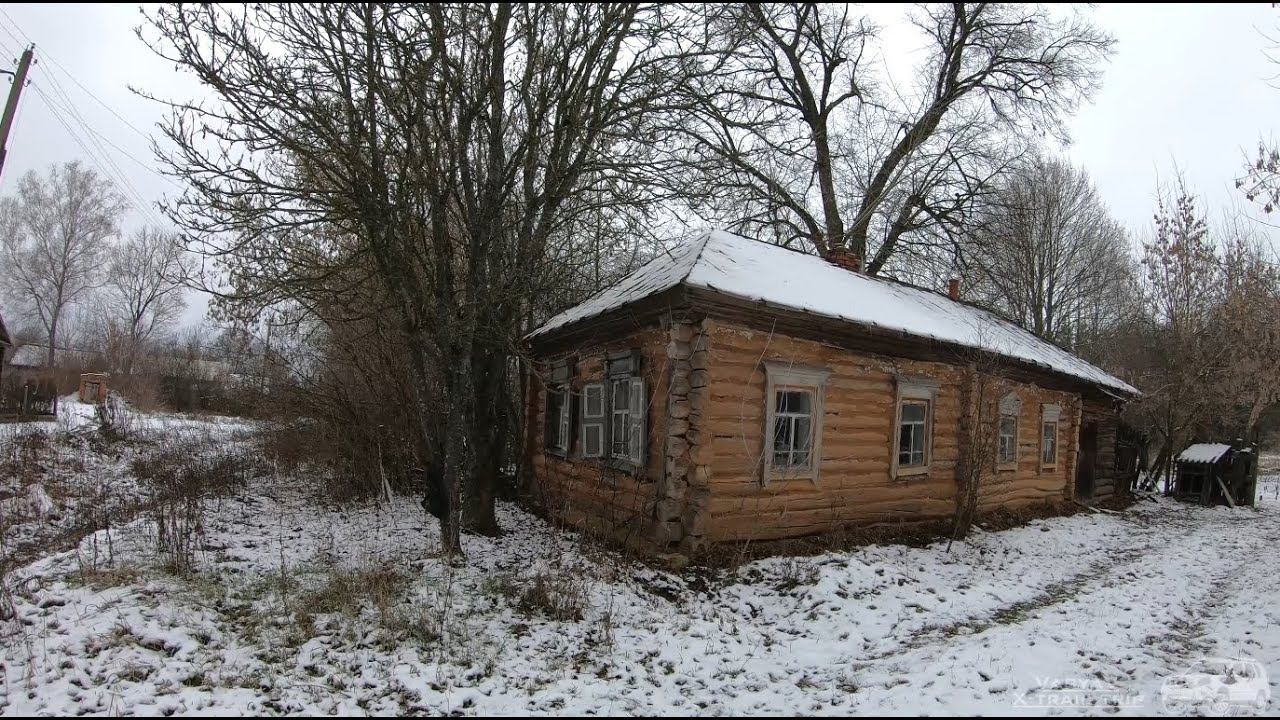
(1189,87)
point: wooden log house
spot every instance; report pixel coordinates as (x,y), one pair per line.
(733,390)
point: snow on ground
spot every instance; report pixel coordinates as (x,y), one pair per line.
(60,478)
(301,607)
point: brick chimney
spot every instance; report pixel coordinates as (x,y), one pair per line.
(843,257)
(953,288)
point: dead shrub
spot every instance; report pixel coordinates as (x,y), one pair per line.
(180,476)
(560,595)
(347,591)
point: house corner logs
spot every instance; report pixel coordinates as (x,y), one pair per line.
(684,488)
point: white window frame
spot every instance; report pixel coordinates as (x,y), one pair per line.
(780,376)
(593,420)
(913,390)
(1050,415)
(1010,409)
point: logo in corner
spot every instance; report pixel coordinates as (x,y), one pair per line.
(1218,686)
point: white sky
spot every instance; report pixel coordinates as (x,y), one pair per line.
(1189,87)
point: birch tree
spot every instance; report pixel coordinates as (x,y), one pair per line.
(143,289)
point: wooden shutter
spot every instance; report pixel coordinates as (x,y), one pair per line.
(638,401)
(593,420)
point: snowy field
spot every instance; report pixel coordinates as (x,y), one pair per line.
(298,607)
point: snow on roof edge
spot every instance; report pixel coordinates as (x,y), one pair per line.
(756,271)
(1203,452)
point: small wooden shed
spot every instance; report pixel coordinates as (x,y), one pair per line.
(1217,474)
(93,388)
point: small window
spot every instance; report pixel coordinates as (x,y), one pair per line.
(793,421)
(913,434)
(1049,443)
(1007,453)
(593,421)
(911,450)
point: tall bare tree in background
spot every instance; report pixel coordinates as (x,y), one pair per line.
(143,291)
(442,156)
(54,236)
(792,128)
(1047,253)
(1182,284)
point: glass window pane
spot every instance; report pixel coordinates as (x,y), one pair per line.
(594,401)
(913,412)
(794,401)
(904,438)
(782,434)
(620,394)
(917,441)
(802,439)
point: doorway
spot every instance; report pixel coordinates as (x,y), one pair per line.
(1086,468)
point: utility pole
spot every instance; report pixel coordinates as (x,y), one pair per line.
(11,107)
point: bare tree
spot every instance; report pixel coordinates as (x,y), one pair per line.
(1047,253)
(143,289)
(1182,283)
(54,234)
(434,158)
(801,137)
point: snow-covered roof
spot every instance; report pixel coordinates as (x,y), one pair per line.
(1204,452)
(34,355)
(758,271)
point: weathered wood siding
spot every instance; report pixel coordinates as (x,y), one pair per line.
(588,492)
(855,486)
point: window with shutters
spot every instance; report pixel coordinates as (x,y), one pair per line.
(793,421)
(913,437)
(613,414)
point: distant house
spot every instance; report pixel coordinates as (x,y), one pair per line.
(734,390)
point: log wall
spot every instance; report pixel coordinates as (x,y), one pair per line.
(855,484)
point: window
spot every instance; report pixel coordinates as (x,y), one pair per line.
(593,421)
(1049,444)
(1007,442)
(792,428)
(913,430)
(1008,450)
(628,409)
(1049,435)
(913,448)
(615,413)
(557,420)
(557,424)
(793,421)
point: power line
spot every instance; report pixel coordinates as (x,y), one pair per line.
(64,109)
(127,187)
